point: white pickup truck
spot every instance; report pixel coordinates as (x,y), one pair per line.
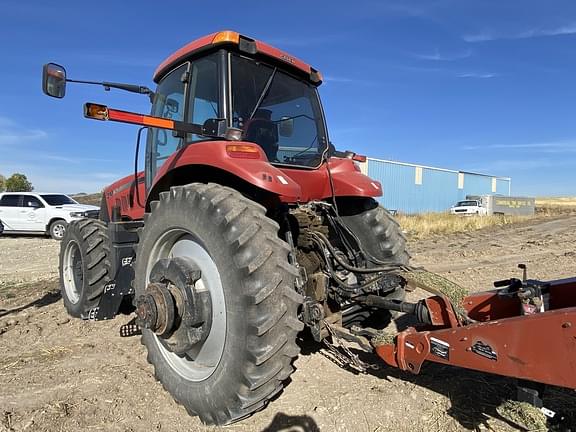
(46,213)
(468,207)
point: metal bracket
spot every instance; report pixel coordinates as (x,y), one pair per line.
(530,392)
(117,289)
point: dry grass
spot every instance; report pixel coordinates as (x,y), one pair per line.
(429,224)
(523,414)
(556,202)
(551,206)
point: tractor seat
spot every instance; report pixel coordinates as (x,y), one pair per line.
(264,133)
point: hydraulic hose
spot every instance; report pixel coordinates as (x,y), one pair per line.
(346,266)
(350,289)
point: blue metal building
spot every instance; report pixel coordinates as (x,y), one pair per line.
(411,188)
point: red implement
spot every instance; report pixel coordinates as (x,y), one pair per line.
(540,347)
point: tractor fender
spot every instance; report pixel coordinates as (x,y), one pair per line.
(213,155)
(347,179)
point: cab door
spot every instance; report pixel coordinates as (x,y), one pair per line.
(169,102)
(192,93)
(10,212)
(33,214)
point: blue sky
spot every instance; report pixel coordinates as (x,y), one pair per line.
(484,85)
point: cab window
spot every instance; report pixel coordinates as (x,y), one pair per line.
(168,103)
(203,97)
(277,111)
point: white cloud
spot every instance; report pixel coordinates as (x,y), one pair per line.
(337,79)
(13,133)
(437,55)
(448,72)
(542,147)
(18,136)
(479,75)
(506,166)
(480,37)
(73,159)
(490,35)
(558,31)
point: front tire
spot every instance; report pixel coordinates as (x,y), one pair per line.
(250,347)
(84,266)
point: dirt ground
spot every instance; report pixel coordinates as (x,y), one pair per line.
(61,374)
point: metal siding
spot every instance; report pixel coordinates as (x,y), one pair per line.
(400,191)
(475,184)
(438,191)
(503,186)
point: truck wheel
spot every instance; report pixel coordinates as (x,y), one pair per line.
(241,300)
(84,265)
(57,229)
(381,236)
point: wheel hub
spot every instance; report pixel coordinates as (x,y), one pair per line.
(175,305)
(156,309)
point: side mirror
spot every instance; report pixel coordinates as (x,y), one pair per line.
(286,127)
(54,80)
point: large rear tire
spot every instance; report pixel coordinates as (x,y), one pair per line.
(381,236)
(84,265)
(248,353)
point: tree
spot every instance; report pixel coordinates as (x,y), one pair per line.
(18,183)
(2,183)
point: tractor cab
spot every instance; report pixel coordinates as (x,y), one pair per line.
(266,97)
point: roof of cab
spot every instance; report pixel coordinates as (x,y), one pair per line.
(231,37)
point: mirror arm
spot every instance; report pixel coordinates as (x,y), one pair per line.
(127,87)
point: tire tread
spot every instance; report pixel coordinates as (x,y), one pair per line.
(260,258)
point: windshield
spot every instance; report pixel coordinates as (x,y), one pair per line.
(277,111)
(56,200)
(467,204)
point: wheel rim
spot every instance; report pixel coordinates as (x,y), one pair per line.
(201,361)
(73,274)
(58,230)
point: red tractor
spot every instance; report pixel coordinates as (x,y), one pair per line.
(245,227)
